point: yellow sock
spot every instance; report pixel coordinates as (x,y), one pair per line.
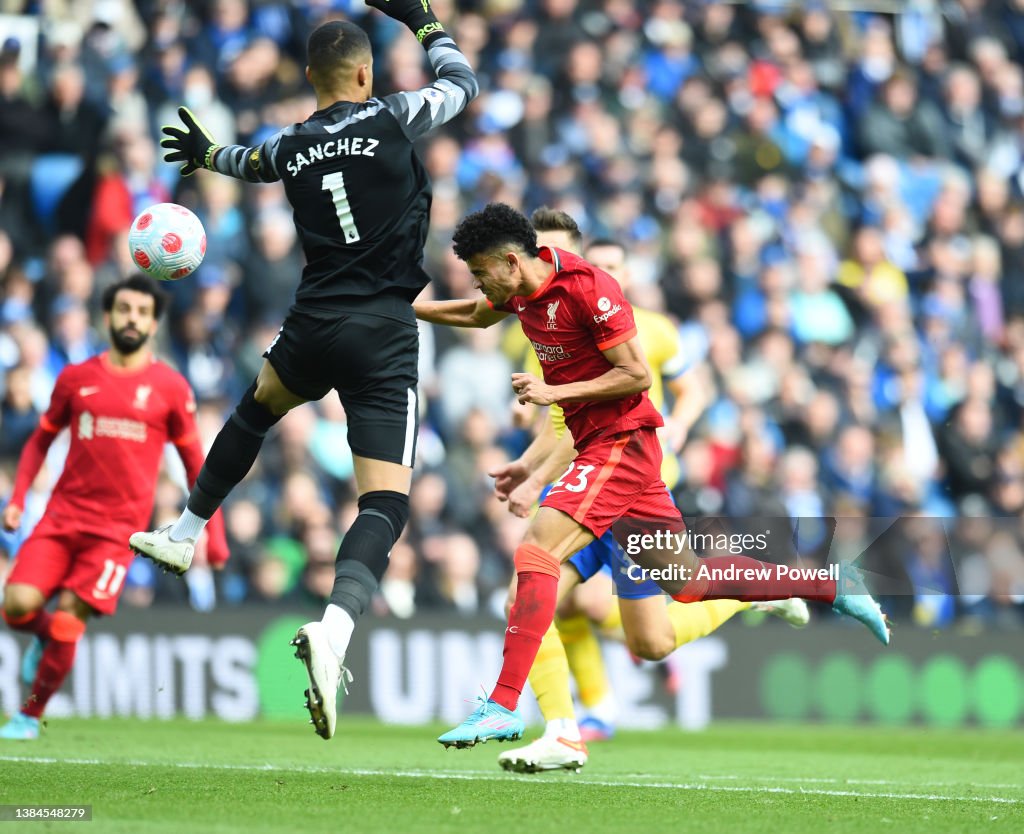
(549,678)
(585,661)
(611,625)
(693,620)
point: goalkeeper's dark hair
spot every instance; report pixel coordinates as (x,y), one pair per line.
(496,226)
(137,283)
(334,46)
(546,219)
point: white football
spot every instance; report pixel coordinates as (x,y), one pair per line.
(167,241)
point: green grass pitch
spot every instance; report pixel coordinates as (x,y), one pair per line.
(279,777)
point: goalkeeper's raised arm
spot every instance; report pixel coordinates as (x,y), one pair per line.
(416,112)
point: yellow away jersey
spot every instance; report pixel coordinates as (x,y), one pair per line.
(660,342)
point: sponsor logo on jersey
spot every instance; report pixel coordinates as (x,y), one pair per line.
(121,429)
(88,390)
(142,396)
(85,426)
(550,353)
(552,312)
(254,160)
(605,304)
(117,428)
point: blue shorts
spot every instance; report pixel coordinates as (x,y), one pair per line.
(604,554)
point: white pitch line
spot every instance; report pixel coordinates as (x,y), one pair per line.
(485,777)
(834,780)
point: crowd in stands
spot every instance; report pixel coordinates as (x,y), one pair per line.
(829,205)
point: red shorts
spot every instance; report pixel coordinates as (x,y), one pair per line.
(614,477)
(90,567)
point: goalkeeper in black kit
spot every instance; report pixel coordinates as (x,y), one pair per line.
(361,198)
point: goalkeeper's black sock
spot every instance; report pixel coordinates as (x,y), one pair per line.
(232,454)
(363,555)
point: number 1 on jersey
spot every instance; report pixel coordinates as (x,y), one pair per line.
(335,183)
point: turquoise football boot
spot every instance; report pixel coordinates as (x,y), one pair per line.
(488,721)
(30,661)
(853,599)
(21,727)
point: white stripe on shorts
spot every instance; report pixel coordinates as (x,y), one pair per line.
(410,428)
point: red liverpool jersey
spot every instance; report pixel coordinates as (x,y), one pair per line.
(575,314)
(119,420)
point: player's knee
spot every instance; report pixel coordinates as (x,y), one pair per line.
(74,605)
(20,602)
(272,394)
(596,610)
(267,396)
(650,646)
(256,415)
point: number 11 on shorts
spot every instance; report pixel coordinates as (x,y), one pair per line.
(111,578)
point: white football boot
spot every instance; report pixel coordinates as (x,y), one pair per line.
(157,546)
(325,673)
(549,752)
(793,611)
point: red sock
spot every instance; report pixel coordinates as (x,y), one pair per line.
(746,589)
(35,622)
(531,615)
(57,660)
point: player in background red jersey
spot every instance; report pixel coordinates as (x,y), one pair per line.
(121,407)
(582,330)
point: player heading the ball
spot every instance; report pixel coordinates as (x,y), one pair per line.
(583,331)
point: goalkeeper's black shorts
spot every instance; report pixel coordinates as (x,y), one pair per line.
(366,350)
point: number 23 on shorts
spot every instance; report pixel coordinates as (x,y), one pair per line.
(579,482)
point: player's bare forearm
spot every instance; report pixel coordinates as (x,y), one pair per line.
(466,312)
(630,374)
(690,402)
(614,384)
(542,445)
(557,460)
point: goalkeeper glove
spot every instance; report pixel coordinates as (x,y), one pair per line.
(193,145)
(416,14)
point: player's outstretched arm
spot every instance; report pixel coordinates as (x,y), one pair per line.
(465,312)
(194,147)
(456,85)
